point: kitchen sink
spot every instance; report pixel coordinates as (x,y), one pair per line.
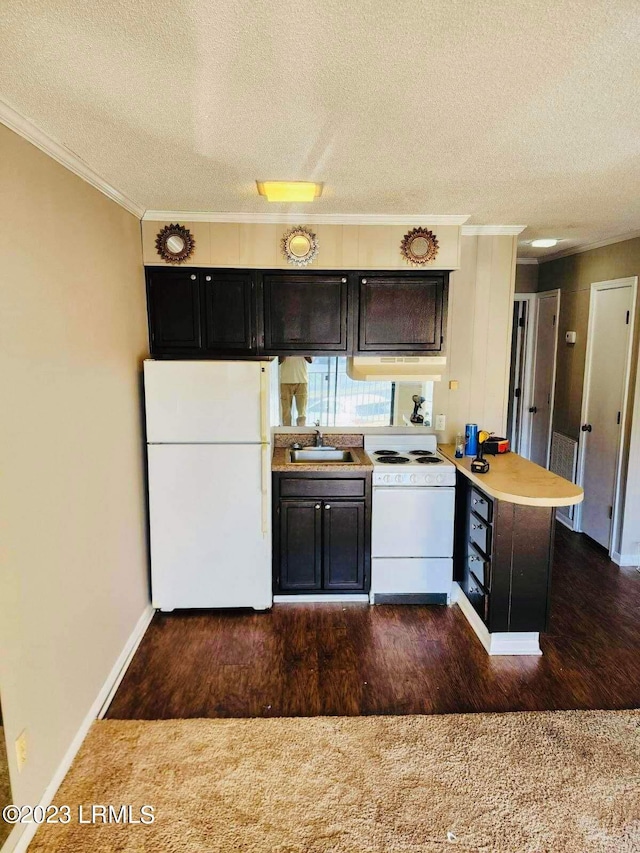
(321,454)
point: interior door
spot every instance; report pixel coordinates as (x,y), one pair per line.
(604,392)
(544,374)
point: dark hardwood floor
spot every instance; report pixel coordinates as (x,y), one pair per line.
(353,659)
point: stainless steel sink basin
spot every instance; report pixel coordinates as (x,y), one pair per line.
(320,454)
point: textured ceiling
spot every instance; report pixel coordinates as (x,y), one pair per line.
(512,111)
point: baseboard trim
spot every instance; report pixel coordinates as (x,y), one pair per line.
(502,643)
(98,708)
(320,598)
(631,560)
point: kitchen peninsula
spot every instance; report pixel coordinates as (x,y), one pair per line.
(503,552)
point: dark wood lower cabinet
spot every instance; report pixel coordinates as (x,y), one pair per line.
(502,559)
(322,537)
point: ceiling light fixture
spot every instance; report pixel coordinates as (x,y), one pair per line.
(289,190)
(547,243)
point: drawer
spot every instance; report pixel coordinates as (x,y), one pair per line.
(480,566)
(310,487)
(477,596)
(480,533)
(481,505)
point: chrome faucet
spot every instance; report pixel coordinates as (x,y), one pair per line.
(319,439)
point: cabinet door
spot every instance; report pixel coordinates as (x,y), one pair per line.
(343,545)
(173,301)
(403,315)
(305,313)
(229,315)
(300,545)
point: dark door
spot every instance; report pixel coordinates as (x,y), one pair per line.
(305,313)
(343,545)
(229,315)
(300,545)
(173,298)
(399,314)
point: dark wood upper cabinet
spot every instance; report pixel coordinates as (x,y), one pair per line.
(229,312)
(305,313)
(173,297)
(401,314)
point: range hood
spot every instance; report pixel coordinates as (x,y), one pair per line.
(396,368)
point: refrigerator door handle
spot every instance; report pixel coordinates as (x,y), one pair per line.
(264,403)
(266,473)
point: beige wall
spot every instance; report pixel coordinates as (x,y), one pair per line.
(479,336)
(342,247)
(526,278)
(73,570)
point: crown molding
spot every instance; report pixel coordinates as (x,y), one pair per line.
(267,218)
(32,133)
(579,250)
(492,230)
(527,261)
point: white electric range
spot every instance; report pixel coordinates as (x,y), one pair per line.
(412,520)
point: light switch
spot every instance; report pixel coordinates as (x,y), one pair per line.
(441,422)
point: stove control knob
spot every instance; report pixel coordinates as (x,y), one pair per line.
(398,478)
(439,479)
(386,479)
(413,479)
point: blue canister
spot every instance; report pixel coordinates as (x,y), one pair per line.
(471,440)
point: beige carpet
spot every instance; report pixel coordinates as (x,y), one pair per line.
(497,783)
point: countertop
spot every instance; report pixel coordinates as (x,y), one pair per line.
(516,480)
(280,462)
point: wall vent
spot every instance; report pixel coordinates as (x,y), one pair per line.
(564,462)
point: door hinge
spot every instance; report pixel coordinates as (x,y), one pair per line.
(619,416)
(610,512)
(517,392)
(441,339)
(521,322)
(627,322)
(554,319)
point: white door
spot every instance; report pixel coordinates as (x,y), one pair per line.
(209,544)
(412,522)
(606,378)
(207,401)
(544,374)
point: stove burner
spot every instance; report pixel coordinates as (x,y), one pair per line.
(421,453)
(426,459)
(393,460)
(386,452)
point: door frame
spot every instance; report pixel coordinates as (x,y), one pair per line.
(541,295)
(595,287)
(524,443)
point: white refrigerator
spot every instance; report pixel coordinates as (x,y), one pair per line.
(209,463)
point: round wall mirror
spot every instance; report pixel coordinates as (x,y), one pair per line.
(419,246)
(299,246)
(175,244)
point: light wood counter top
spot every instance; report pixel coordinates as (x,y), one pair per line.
(516,480)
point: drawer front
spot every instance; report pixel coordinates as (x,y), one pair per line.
(480,567)
(481,505)
(480,533)
(478,598)
(292,487)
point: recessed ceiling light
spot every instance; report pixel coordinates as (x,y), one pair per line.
(543,244)
(289,190)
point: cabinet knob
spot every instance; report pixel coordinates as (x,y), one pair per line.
(327,506)
(364,281)
(193,278)
(317,506)
(344,281)
(207,278)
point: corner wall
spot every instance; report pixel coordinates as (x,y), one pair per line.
(73,565)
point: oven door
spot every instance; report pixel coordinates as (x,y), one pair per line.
(410,522)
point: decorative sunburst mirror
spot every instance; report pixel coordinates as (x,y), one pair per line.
(299,246)
(175,244)
(419,246)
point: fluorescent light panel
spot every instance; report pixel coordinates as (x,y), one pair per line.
(289,190)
